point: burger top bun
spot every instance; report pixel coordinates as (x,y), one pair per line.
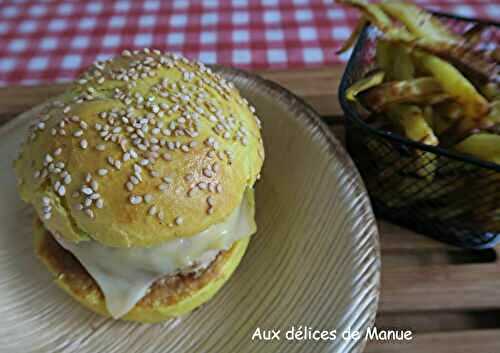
(141,149)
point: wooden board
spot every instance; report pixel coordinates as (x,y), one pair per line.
(449,298)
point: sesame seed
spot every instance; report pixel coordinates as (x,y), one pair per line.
(66,109)
(61,190)
(167,156)
(152,210)
(90,213)
(102,172)
(163,187)
(161,215)
(134,180)
(36,175)
(94,185)
(210,210)
(100,147)
(78,133)
(208,172)
(67,179)
(47,216)
(148,198)
(202,185)
(210,200)
(84,144)
(45,201)
(87,191)
(135,199)
(167,179)
(179,220)
(58,151)
(88,178)
(99,203)
(88,202)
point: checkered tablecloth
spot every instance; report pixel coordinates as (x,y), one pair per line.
(47,41)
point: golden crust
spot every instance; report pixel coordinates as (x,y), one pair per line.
(222,157)
(169,297)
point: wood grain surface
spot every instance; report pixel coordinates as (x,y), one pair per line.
(449,297)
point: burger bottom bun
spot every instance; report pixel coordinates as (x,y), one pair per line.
(168,297)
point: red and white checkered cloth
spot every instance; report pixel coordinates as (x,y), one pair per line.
(47,41)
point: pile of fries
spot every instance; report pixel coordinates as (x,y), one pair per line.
(431,85)
(434,86)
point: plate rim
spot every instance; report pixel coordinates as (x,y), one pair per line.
(336,149)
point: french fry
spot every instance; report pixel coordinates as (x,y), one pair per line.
(482,145)
(383,57)
(461,54)
(491,90)
(349,42)
(455,84)
(473,35)
(395,61)
(411,119)
(412,122)
(420,90)
(450,110)
(365,83)
(494,114)
(372,12)
(418,21)
(429,115)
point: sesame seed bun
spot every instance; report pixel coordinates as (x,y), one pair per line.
(167,298)
(141,149)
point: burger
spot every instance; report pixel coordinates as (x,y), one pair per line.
(141,175)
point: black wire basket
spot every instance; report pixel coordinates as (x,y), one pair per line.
(455,199)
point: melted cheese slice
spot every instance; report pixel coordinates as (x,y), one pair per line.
(125,274)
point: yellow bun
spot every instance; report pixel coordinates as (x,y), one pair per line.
(196,147)
(168,298)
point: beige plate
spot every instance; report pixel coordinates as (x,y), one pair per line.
(314,261)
